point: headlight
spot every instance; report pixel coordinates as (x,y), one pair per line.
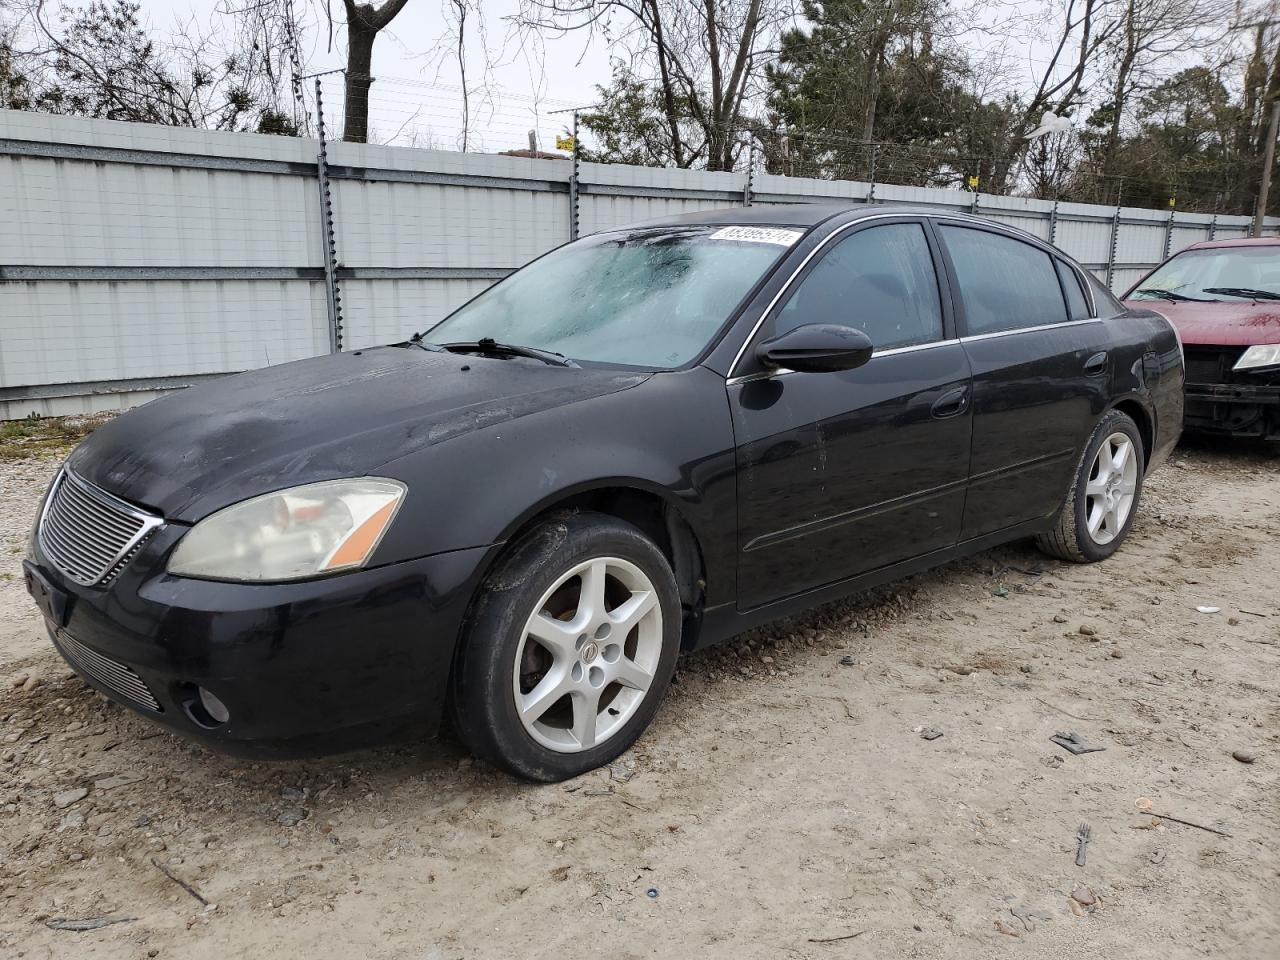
(291,534)
(1263,355)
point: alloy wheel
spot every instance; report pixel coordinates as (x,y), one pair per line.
(1109,492)
(588,654)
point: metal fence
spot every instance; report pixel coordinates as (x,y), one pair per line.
(136,259)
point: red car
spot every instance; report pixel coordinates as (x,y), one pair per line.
(1223,297)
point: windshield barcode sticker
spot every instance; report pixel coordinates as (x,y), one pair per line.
(783,238)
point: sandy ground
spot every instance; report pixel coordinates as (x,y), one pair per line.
(785,803)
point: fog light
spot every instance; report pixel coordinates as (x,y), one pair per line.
(215,708)
(204,709)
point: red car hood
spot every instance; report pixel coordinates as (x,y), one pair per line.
(1225,323)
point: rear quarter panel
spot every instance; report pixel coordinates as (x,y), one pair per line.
(1150,367)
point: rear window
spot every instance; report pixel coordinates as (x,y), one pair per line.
(1005,284)
(1103,299)
(1077,305)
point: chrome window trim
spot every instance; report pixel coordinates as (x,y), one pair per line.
(148,523)
(1036,329)
(1031,239)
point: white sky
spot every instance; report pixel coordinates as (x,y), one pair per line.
(416,99)
(418,87)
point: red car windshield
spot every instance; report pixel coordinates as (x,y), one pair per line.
(1215,274)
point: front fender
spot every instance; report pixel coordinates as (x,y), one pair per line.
(670,436)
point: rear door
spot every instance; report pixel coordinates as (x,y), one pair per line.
(1041,373)
(841,473)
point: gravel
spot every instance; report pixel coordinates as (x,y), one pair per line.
(776,802)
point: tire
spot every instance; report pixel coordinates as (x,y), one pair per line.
(1074,537)
(588,607)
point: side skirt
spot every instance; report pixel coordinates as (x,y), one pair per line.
(725,621)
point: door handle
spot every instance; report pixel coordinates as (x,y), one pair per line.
(1096,365)
(950,404)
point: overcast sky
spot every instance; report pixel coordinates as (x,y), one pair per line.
(416,99)
(418,90)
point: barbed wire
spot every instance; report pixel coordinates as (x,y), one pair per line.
(418,109)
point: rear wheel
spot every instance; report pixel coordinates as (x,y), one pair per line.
(570,650)
(1100,506)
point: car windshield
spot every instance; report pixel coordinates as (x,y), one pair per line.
(648,298)
(1216,273)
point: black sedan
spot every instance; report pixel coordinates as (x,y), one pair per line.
(643,442)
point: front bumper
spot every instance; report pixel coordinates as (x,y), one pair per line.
(1226,401)
(1238,410)
(303,669)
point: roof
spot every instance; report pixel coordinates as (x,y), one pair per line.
(1242,242)
(796,214)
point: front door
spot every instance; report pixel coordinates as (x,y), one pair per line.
(843,473)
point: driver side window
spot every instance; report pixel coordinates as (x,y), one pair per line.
(880,280)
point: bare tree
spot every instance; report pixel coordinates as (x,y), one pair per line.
(19,89)
(1148,32)
(364,23)
(1061,83)
(464,19)
(269,32)
(102,60)
(1050,163)
(703,56)
(460,10)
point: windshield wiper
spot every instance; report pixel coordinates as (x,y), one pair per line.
(490,345)
(1170,295)
(1249,292)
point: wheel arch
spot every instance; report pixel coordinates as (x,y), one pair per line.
(646,506)
(1141,414)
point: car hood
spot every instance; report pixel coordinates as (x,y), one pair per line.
(345,415)
(1225,323)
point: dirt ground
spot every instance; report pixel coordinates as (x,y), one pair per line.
(785,803)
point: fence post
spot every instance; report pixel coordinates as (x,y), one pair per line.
(1115,239)
(573,183)
(871,194)
(1213,226)
(751,169)
(333,300)
(1053,223)
(1168,234)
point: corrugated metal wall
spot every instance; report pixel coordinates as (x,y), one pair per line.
(138,258)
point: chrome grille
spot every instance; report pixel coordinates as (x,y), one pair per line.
(116,677)
(87,533)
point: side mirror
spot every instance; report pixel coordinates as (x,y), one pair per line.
(817,348)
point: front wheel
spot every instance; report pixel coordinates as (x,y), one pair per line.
(1103,499)
(570,648)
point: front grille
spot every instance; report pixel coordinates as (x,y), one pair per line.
(1211,364)
(87,533)
(116,677)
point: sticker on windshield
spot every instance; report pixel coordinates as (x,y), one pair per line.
(774,235)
